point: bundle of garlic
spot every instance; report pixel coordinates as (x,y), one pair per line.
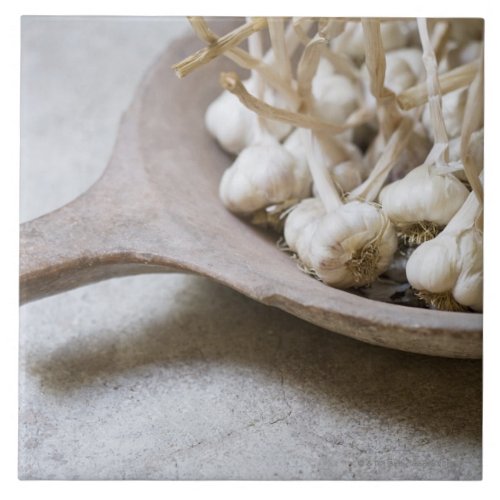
(366,110)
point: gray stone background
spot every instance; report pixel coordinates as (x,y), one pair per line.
(176,377)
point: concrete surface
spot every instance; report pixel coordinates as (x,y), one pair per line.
(175,377)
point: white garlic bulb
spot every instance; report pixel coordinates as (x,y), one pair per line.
(448,270)
(263,174)
(395,34)
(352,245)
(453,105)
(234,126)
(300,225)
(422,202)
(335,97)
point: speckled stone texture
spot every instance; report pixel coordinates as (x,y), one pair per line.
(175,377)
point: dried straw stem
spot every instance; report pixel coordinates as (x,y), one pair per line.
(231,82)
(433,89)
(244,60)
(369,189)
(278,44)
(301,25)
(342,64)
(473,120)
(440,34)
(375,58)
(306,69)
(448,82)
(217,48)
(388,113)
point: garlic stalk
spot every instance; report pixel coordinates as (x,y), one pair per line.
(246,61)
(425,200)
(224,43)
(450,81)
(447,271)
(230,81)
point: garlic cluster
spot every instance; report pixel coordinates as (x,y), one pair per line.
(448,270)
(372,111)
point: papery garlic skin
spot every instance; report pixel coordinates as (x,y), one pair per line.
(453,105)
(236,127)
(352,245)
(423,195)
(263,174)
(300,225)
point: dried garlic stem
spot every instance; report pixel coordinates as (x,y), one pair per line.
(440,34)
(388,113)
(278,44)
(342,64)
(448,82)
(369,189)
(375,58)
(433,89)
(321,176)
(231,82)
(223,44)
(307,67)
(473,120)
(244,60)
(301,25)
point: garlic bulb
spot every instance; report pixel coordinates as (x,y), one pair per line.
(352,245)
(395,34)
(448,270)
(422,202)
(335,97)
(234,126)
(300,225)
(263,174)
(453,113)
